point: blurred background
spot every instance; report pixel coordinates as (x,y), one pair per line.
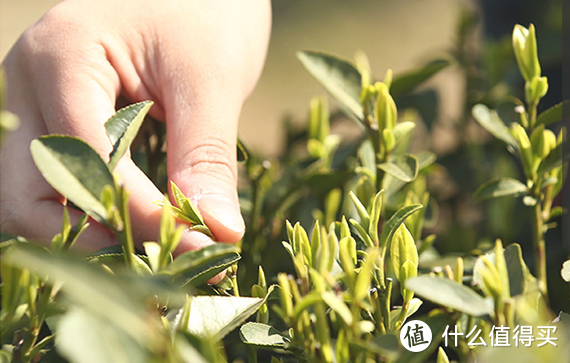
(475,35)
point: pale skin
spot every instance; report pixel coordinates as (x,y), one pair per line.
(197,60)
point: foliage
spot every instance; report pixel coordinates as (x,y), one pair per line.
(364,267)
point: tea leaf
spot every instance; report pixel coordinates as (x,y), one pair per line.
(75,170)
(338,306)
(188,208)
(375,213)
(450,294)
(216,316)
(518,272)
(262,335)
(403,248)
(414,305)
(404,167)
(199,266)
(503,187)
(242,152)
(395,221)
(402,130)
(114,299)
(122,128)
(360,209)
(338,76)
(364,278)
(553,114)
(362,233)
(405,82)
(81,335)
(555,158)
(441,356)
(491,122)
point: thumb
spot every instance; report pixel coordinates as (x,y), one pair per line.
(201,141)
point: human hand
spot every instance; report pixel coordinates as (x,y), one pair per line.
(197,60)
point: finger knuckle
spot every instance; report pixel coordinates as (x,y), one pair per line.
(212,157)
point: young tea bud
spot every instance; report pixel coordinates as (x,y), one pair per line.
(385,110)
(524,44)
(389,139)
(525,149)
(536,89)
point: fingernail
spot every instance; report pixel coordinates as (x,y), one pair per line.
(223,210)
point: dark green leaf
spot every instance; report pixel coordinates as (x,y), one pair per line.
(405,82)
(199,266)
(554,159)
(122,128)
(503,187)
(491,122)
(395,221)
(75,170)
(262,335)
(338,76)
(403,167)
(387,345)
(553,114)
(450,294)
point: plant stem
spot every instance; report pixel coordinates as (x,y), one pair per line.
(126,235)
(539,247)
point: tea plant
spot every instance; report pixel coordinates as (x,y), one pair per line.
(360,271)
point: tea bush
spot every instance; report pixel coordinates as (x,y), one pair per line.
(351,215)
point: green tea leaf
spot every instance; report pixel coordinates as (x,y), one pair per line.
(403,130)
(75,170)
(188,208)
(403,248)
(553,114)
(338,306)
(403,167)
(82,336)
(555,158)
(405,82)
(199,266)
(338,76)
(217,316)
(450,294)
(414,305)
(360,209)
(375,213)
(441,356)
(115,299)
(517,270)
(395,221)
(242,152)
(503,187)
(262,335)
(122,128)
(491,122)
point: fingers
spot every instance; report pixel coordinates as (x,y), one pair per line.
(201,139)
